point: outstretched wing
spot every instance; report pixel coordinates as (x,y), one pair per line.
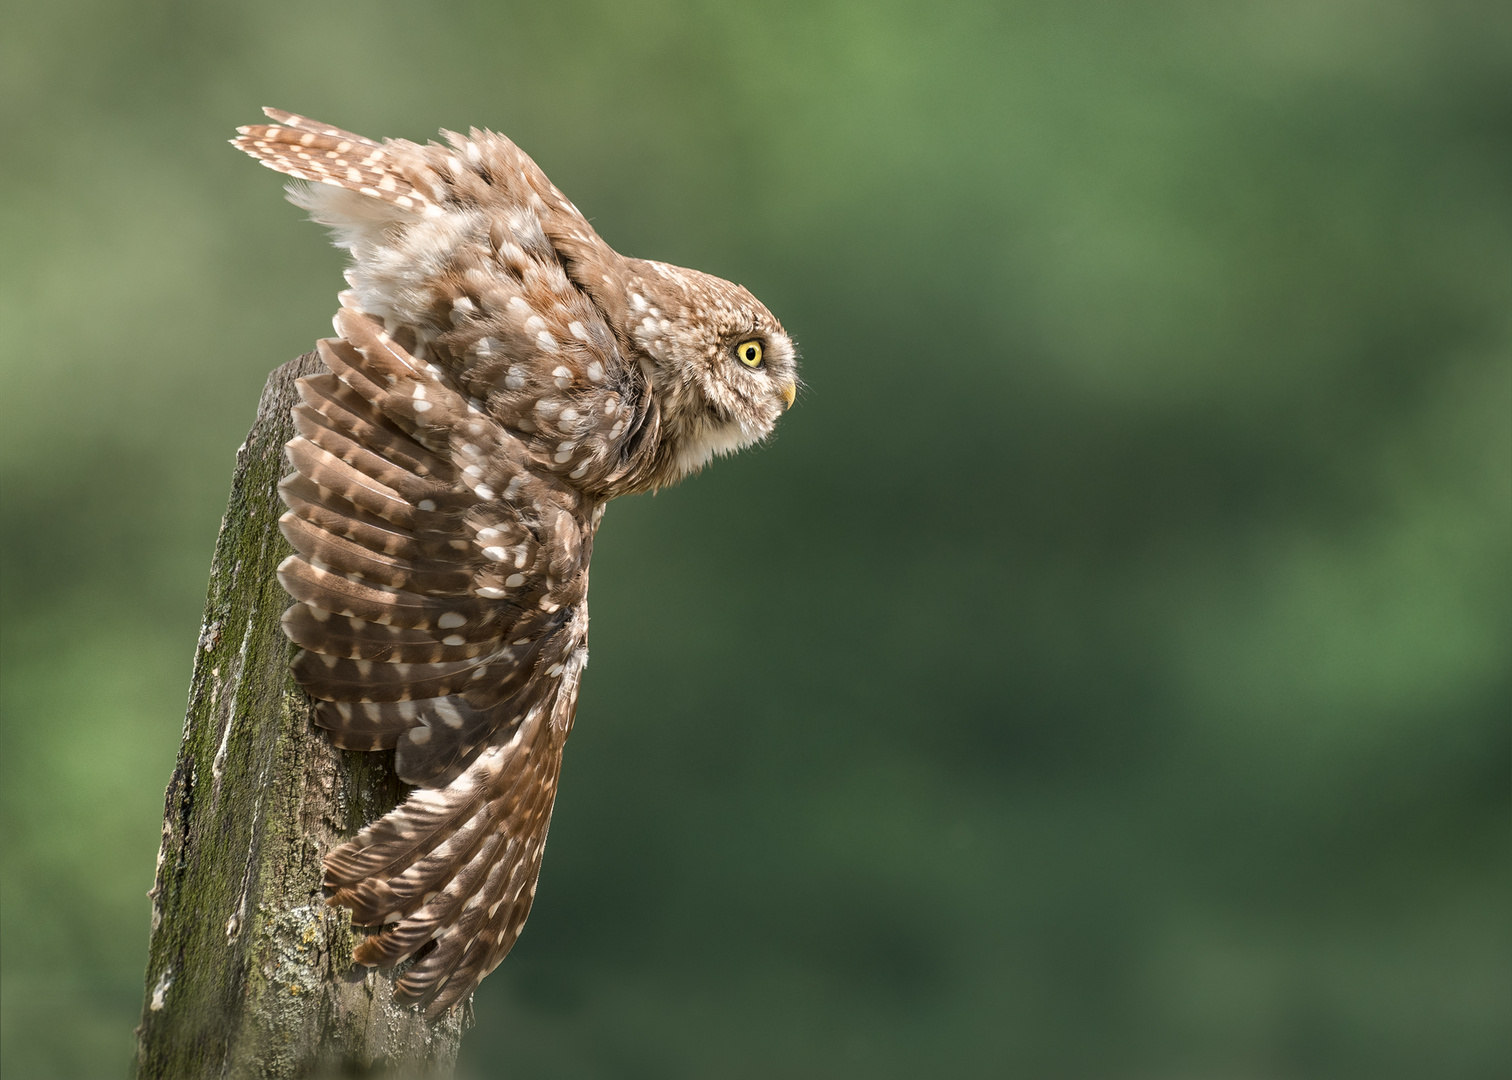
(308,150)
(441,579)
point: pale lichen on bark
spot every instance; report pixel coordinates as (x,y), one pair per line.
(249,972)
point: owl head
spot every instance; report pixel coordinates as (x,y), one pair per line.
(722,369)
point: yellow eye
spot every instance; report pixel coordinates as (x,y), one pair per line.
(749,353)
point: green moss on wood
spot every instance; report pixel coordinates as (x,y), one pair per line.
(249,972)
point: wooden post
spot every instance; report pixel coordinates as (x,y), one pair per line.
(249,973)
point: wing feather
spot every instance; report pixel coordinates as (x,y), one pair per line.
(439,573)
(306,150)
(435,577)
(303,123)
(347,411)
(329,511)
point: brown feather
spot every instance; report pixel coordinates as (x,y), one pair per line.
(328,511)
(429,576)
(329,157)
(357,639)
(288,119)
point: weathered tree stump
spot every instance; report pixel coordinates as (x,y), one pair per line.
(249,972)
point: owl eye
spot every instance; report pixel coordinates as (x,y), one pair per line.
(749,353)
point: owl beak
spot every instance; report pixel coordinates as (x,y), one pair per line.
(789,392)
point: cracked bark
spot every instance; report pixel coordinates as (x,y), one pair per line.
(249,973)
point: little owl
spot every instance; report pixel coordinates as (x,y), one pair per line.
(498,374)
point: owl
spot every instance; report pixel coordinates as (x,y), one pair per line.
(497,375)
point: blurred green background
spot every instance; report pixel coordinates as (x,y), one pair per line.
(1104,673)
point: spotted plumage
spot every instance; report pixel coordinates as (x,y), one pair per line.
(498,374)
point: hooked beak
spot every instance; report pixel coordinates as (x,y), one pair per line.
(789,392)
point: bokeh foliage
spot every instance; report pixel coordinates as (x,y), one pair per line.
(1104,673)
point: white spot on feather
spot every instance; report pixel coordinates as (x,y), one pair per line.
(447,711)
